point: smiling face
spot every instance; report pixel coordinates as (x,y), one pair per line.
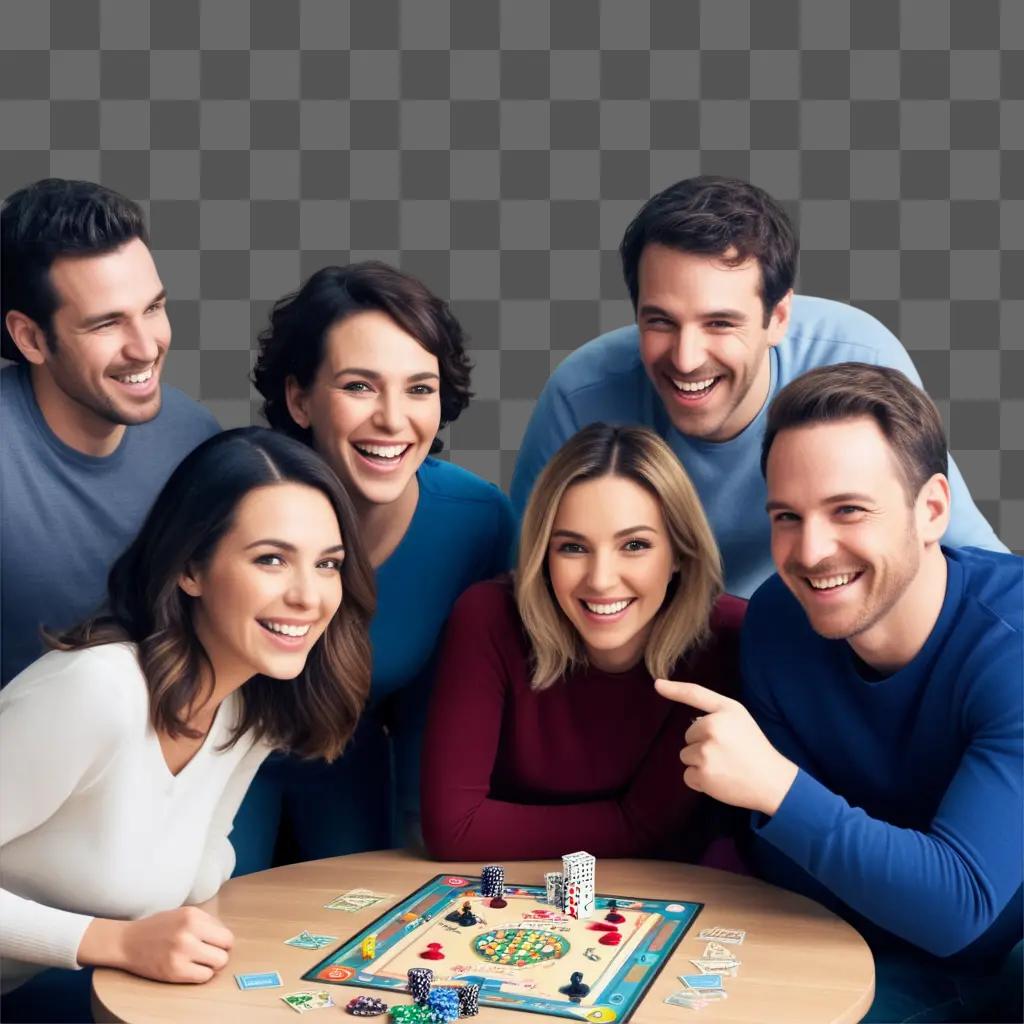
(703,339)
(374,407)
(272,585)
(610,561)
(111,332)
(844,538)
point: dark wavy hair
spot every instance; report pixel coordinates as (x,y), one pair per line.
(316,716)
(715,216)
(43,221)
(293,344)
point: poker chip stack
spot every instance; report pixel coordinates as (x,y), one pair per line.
(469,1000)
(444,1002)
(366,1006)
(420,980)
(492,881)
(412,1015)
(553,884)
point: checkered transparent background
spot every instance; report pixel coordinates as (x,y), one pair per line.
(497,150)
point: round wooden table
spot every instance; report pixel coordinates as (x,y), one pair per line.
(800,963)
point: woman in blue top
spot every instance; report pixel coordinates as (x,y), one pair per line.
(367,365)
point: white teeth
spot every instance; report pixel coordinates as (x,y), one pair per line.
(831,582)
(137,378)
(382,451)
(692,386)
(280,627)
(607,609)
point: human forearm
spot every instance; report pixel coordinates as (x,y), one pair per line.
(39,934)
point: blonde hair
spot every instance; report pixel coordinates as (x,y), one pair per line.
(636,454)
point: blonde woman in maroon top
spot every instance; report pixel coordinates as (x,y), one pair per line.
(545,732)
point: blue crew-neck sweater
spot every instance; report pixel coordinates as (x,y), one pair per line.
(906,812)
(605,380)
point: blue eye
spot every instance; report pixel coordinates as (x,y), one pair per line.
(636,544)
(570,548)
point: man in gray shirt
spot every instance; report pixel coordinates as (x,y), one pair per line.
(89,435)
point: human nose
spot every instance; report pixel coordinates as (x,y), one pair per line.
(817,542)
(388,413)
(689,352)
(302,591)
(141,342)
(602,573)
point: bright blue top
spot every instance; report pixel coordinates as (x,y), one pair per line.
(605,380)
(462,531)
(906,814)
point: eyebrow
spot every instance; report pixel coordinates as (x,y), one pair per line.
(832,499)
(715,314)
(285,546)
(621,533)
(119,313)
(374,375)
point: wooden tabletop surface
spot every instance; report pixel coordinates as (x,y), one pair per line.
(800,963)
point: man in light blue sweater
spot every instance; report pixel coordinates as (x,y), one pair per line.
(879,742)
(710,264)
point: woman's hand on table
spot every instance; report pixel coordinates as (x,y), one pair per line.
(184,945)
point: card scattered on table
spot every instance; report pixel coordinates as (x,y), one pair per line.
(715,951)
(259,979)
(357,899)
(694,1000)
(715,966)
(303,1002)
(701,981)
(730,936)
(307,940)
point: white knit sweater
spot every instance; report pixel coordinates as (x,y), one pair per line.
(92,822)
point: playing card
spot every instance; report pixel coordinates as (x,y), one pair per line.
(732,936)
(701,981)
(303,1002)
(715,966)
(357,899)
(307,940)
(259,979)
(715,951)
(688,998)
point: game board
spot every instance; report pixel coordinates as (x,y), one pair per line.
(517,970)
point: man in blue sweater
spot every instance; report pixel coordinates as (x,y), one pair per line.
(709,264)
(882,751)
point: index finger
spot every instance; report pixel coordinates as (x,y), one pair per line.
(215,933)
(692,694)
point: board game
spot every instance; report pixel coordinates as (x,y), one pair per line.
(522,954)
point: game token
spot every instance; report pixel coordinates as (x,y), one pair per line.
(613,914)
(420,980)
(445,1004)
(575,989)
(366,1006)
(433,951)
(465,917)
(412,1015)
(590,954)
(602,926)
(469,1000)
(368,948)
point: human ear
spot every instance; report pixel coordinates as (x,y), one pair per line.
(296,399)
(933,506)
(28,336)
(188,582)
(778,319)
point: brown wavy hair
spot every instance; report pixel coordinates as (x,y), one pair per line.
(293,344)
(314,717)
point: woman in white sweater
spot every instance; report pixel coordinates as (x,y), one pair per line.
(126,750)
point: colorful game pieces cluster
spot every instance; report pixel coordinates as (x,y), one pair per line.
(469,1000)
(492,885)
(433,951)
(465,917)
(575,989)
(445,1004)
(366,1006)
(420,980)
(613,914)
(520,947)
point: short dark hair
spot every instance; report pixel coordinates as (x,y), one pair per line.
(314,717)
(48,219)
(904,413)
(293,344)
(715,216)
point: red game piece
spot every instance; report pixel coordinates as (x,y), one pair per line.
(610,939)
(600,926)
(613,914)
(432,952)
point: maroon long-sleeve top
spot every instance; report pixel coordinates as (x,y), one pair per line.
(591,762)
